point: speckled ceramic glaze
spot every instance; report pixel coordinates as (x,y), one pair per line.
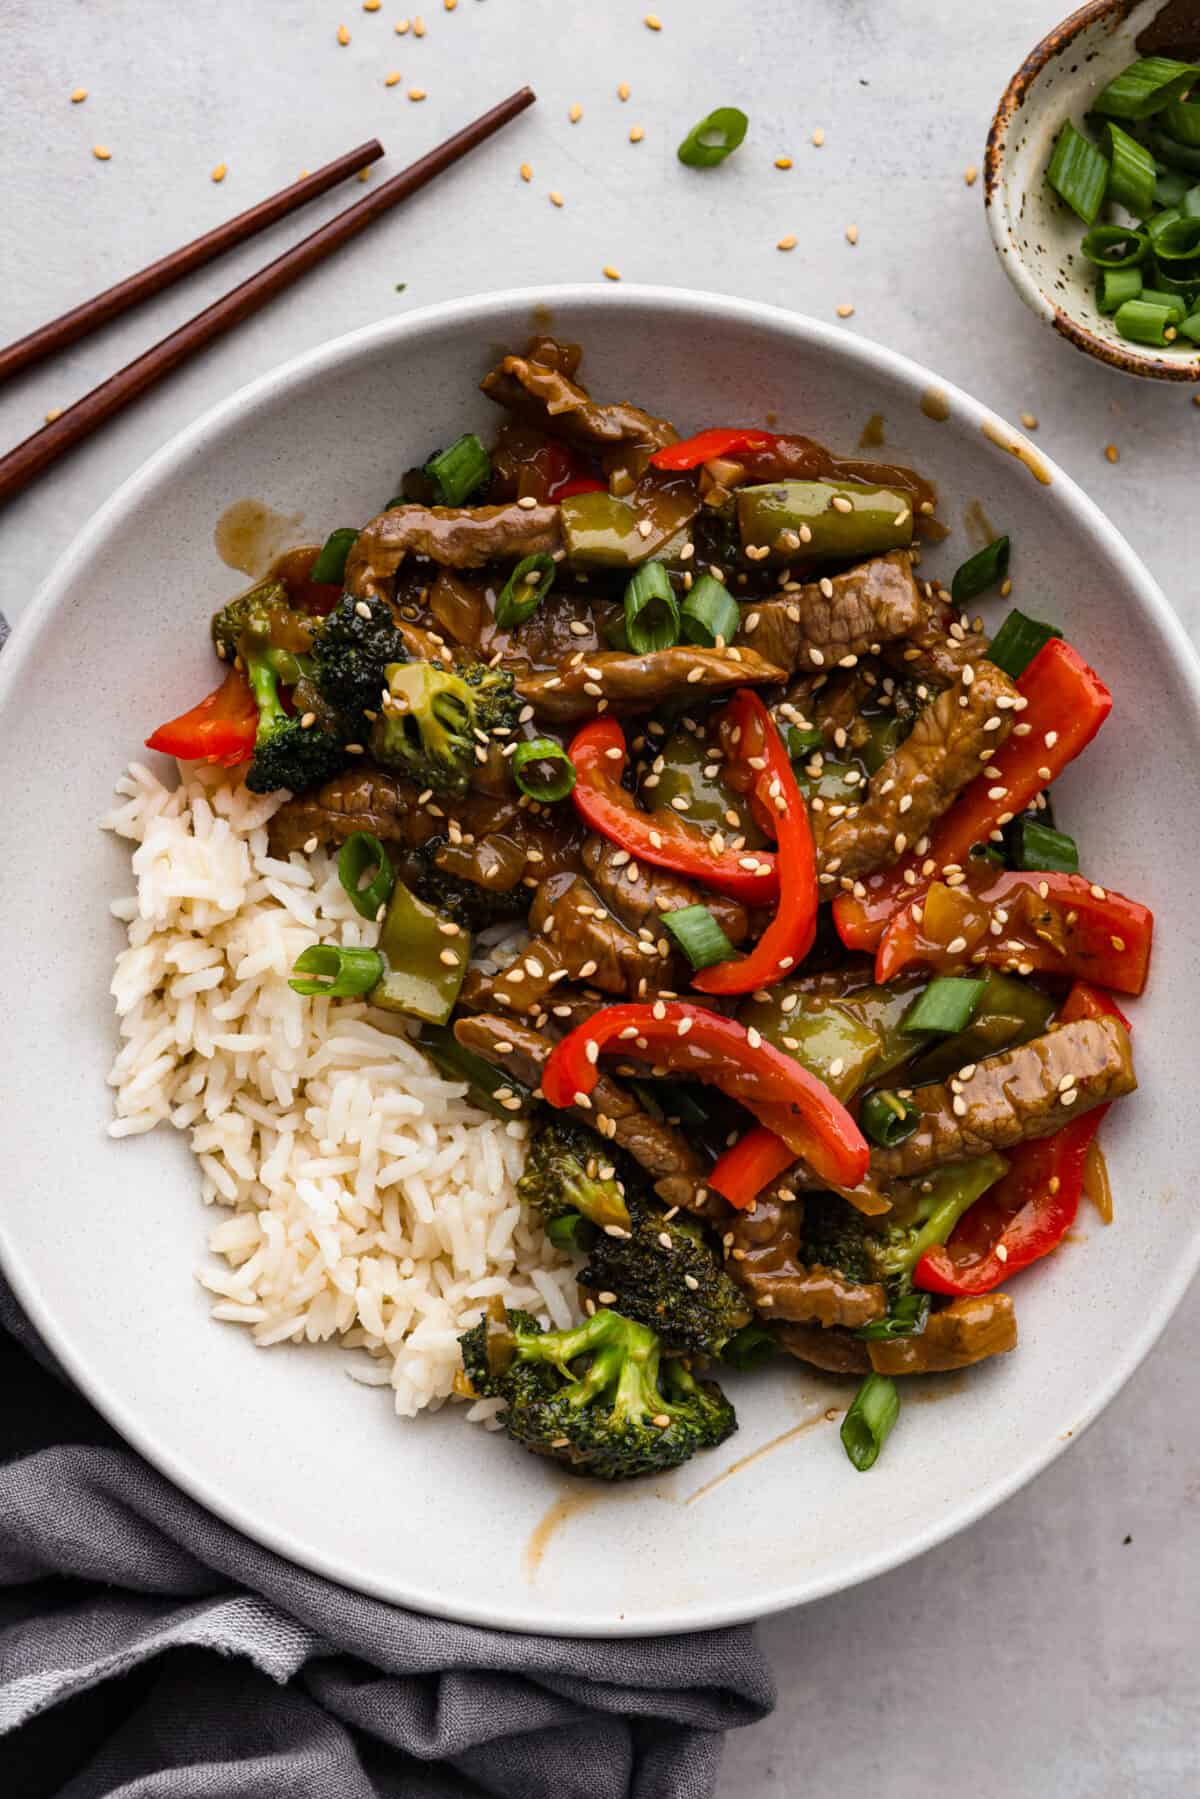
(101,1238)
(1036,236)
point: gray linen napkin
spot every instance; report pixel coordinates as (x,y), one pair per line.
(149,1651)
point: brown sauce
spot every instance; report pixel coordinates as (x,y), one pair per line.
(935,404)
(1016,446)
(569,1506)
(249,535)
(1096,1183)
(977,525)
(872,433)
(755,1455)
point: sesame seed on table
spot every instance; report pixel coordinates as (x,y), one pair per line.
(871,120)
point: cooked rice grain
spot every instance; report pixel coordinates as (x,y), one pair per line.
(368,1200)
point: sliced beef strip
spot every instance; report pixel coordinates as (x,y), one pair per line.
(538,387)
(639,894)
(964,1332)
(455,536)
(852,614)
(946,748)
(764,1258)
(627,682)
(835,1351)
(1014,1096)
(832,704)
(675,1168)
(939,645)
(592,945)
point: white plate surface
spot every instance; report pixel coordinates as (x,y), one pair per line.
(101,1239)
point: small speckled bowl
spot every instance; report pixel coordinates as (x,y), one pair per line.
(1037,238)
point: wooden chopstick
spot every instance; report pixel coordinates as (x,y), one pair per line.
(30,458)
(93,313)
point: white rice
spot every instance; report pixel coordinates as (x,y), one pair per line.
(365,1198)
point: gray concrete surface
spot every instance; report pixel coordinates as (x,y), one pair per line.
(1052,1649)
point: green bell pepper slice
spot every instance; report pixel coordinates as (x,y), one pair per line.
(821,1034)
(424,964)
(864,521)
(1010,1012)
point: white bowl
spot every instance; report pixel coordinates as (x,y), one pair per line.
(101,1239)
(1036,237)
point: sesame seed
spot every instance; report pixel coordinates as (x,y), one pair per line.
(343,36)
(592,1052)
(818,136)
(556,198)
(101,153)
(392,78)
(754,1037)
(583,1099)
(623,90)
(1098,892)
(787,243)
(609,273)
(308,721)
(636,134)
(1069,1097)
(652,22)
(1117,942)
(970,174)
(219,173)
(851,234)
(56,412)
(959,1106)
(683,1027)
(575,113)
(416,93)
(845,311)
(783,162)
(1111,453)
(418,26)
(450,958)
(526,172)
(78,95)
(840,503)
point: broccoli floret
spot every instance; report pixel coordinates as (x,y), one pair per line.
(568,1170)
(668,1275)
(286,753)
(357,643)
(265,619)
(273,643)
(870,1249)
(436,718)
(595,1398)
(468,903)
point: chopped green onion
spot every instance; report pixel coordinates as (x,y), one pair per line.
(342,973)
(714,138)
(980,571)
(751,1347)
(1179,244)
(907,1318)
(651,610)
(1018,641)
(698,935)
(1033,845)
(1141,322)
(947,1005)
(1176,156)
(1117,286)
(1182,120)
(868,1424)
(553,775)
(460,470)
(457,1063)
(571,1231)
(1189,203)
(1191,328)
(359,855)
(330,563)
(804,742)
(1078,173)
(1170,186)
(709,611)
(1160,296)
(1131,171)
(887,1119)
(524,590)
(1145,87)
(1131,246)
(1161,221)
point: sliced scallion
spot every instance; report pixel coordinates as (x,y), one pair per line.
(698,935)
(1078,173)
(802,742)
(751,1347)
(524,591)
(1018,641)
(714,138)
(1182,119)
(460,470)
(651,610)
(457,1063)
(947,1005)
(1163,296)
(330,563)
(709,613)
(1034,845)
(1189,202)
(1170,186)
(980,571)
(1145,87)
(543,770)
(1178,246)
(339,973)
(1115,246)
(1190,328)
(366,873)
(1117,286)
(907,1318)
(868,1424)
(887,1118)
(1131,171)
(1176,156)
(1142,322)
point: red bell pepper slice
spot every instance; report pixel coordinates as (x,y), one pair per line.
(703,1046)
(1030,1210)
(690,452)
(221,728)
(1066,703)
(662,839)
(779,803)
(566,474)
(1055,923)
(743,1171)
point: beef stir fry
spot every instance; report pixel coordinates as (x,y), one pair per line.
(709,837)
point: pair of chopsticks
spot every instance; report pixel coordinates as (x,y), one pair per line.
(28,460)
